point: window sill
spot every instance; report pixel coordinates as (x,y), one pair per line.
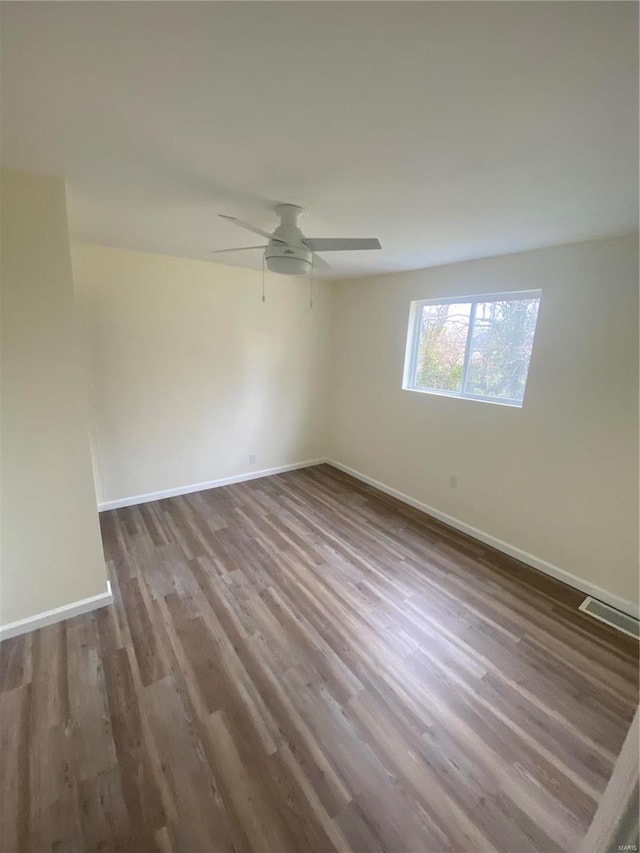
(511,404)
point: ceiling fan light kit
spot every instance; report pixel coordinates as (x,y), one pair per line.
(289,252)
(288,260)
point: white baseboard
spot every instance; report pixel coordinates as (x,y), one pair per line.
(547,568)
(200,487)
(629,607)
(58,614)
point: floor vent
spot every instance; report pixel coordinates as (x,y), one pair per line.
(611,616)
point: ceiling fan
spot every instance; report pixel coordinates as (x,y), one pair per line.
(289,252)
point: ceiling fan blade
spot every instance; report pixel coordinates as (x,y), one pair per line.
(340,244)
(320,264)
(250,227)
(239,249)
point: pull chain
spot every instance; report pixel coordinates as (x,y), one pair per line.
(311,285)
(263,291)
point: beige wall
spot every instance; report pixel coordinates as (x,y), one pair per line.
(558,478)
(192,373)
(51,549)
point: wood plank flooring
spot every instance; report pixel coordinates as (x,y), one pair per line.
(303,664)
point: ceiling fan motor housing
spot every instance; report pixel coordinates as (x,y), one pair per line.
(288,260)
(291,257)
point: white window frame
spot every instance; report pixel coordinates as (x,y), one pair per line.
(413,338)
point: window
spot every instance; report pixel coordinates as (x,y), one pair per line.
(476,347)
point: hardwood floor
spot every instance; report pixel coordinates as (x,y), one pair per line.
(301,663)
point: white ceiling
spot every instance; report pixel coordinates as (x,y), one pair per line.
(448,130)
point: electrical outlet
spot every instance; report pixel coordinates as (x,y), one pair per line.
(453,482)
(252,459)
